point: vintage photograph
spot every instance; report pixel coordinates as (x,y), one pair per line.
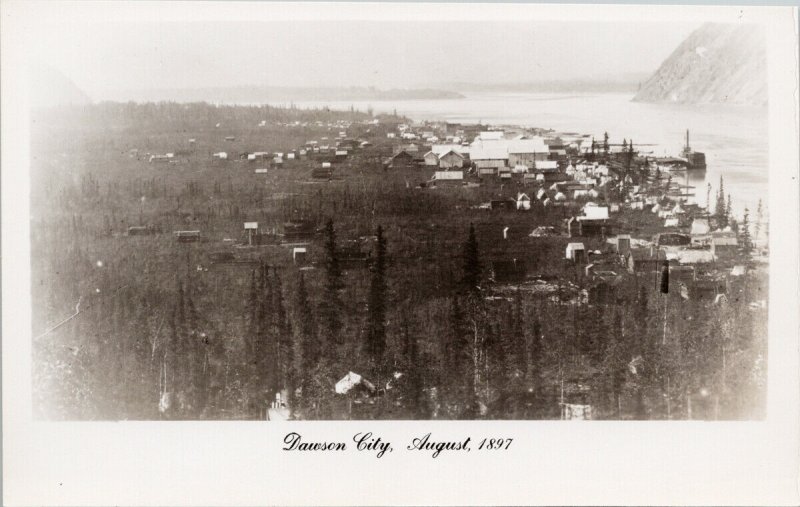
(399,220)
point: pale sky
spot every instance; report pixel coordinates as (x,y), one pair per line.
(103,58)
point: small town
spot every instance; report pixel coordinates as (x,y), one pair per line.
(255,262)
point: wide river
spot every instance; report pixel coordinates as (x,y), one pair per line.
(734,138)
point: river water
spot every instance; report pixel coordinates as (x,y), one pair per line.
(734,138)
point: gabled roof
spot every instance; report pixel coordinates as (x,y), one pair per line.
(459,155)
(402,153)
(488,150)
(441,149)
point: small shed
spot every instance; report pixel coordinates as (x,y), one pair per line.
(431,159)
(403,159)
(503,204)
(724,247)
(523,202)
(448,175)
(623,244)
(576,252)
(451,160)
(322,173)
(187,236)
(299,255)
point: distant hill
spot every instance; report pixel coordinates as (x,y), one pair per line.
(717,63)
(266,94)
(51,88)
(618,85)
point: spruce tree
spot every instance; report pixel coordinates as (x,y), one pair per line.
(309,345)
(518,334)
(535,359)
(472,265)
(284,345)
(457,352)
(414,382)
(720,208)
(262,363)
(729,211)
(747,243)
(252,317)
(330,307)
(376,318)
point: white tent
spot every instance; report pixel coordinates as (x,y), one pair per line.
(350,381)
(700,226)
(595,213)
(575,412)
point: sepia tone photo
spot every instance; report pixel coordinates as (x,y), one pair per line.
(400,220)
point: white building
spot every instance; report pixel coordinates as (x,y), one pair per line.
(489,154)
(527,152)
(451,160)
(523,202)
(448,175)
(575,251)
(431,159)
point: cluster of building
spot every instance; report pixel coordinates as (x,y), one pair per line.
(598,189)
(603,190)
(491,152)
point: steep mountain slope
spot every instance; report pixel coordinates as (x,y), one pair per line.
(717,63)
(50,88)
